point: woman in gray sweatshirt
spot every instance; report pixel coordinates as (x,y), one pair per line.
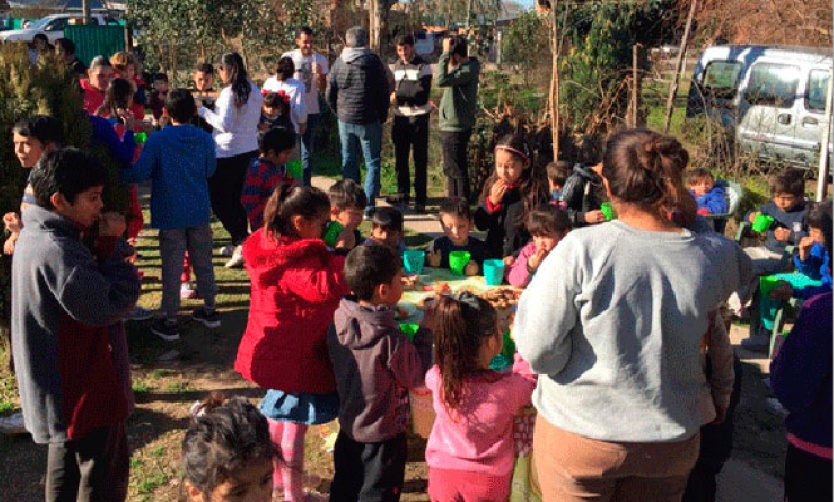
(612,322)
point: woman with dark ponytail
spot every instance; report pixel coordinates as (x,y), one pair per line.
(613,322)
(235,118)
(296,287)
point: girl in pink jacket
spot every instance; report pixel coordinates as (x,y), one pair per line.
(470,450)
(548,225)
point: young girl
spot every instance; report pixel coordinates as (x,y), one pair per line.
(470,450)
(547,225)
(509,194)
(296,287)
(126,67)
(227,454)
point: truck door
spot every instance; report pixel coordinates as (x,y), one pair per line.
(811,118)
(767,112)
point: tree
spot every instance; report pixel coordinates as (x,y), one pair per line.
(525,41)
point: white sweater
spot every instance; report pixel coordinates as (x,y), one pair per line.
(613,320)
(235,129)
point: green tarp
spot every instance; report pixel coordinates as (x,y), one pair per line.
(91,41)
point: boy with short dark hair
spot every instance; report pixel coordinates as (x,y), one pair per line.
(457,222)
(159,95)
(266,171)
(180,159)
(375,365)
(387,229)
(708,195)
(65,299)
(347,207)
(557,175)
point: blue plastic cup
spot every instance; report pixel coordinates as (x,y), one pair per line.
(494,272)
(413,260)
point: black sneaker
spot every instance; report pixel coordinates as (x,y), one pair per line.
(168,331)
(209,319)
(420,208)
(396,199)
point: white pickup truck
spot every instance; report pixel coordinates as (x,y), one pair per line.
(53,27)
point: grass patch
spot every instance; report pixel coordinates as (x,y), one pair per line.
(179,388)
(141,387)
(150,483)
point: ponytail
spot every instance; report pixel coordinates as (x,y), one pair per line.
(238,77)
(287,201)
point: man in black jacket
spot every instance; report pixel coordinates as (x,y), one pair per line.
(410,99)
(358,93)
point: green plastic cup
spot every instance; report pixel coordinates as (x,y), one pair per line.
(766,285)
(331,235)
(762,222)
(608,211)
(410,330)
(295,168)
(413,261)
(458,261)
(140,137)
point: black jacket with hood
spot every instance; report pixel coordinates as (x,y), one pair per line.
(358,90)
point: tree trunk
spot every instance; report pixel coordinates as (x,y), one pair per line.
(673,87)
(553,98)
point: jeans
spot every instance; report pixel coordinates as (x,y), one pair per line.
(369,137)
(172,246)
(308,147)
(411,133)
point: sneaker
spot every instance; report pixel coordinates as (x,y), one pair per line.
(369,213)
(236,261)
(756,343)
(209,319)
(227,250)
(186,292)
(167,330)
(12,424)
(141,314)
(420,208)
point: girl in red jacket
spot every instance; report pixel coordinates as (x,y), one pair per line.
(296,287)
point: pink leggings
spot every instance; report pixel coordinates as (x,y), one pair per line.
(289,469)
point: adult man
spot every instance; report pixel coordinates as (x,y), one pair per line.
(311,69)
(457,73)
(358,92)
(410,99)
(99,76)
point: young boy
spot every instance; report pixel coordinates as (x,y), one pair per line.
(557,175)
(158,95)
(456,222)
(347,207)
(65,299)
(375,365)
(708,195)
(579,195)
(265,172)
(387,229)
(180,159)
(203,91)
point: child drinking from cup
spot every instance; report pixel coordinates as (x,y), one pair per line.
(509,194)
(470,450)
(456,222)
(557,175)
(547,225)
(296,287)
(227,454)
(347,208)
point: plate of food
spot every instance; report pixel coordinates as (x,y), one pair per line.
(410,282)
(428,302)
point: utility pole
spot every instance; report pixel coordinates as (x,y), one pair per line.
(85,11)
(673,88)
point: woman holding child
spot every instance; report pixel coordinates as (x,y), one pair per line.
(612,322)
(235,118)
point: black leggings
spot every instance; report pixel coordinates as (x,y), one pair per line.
(225,188)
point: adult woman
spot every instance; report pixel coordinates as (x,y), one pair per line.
(235,122)
(613,321)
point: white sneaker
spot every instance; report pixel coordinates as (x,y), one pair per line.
(236,261)
(12,424)
(227,250)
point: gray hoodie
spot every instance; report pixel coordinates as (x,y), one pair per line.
(375,365)
(358,89)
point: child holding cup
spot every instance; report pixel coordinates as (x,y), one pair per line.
(456,222)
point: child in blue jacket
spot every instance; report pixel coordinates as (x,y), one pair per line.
(708,194)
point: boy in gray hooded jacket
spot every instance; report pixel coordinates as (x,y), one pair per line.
(375,365)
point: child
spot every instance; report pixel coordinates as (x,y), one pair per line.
(179,160)
(509,194)
(204,93)
(708,195)
(387,229)
(456,222)
(294,91)
(32,138)
(579,195)
(557,175)
(265,172)
(375,365)
(275,112)
(158,95)
(227,454)
(118,102)
(65,301)
(125,66)
(347,207)
(547,225)
(470,450)
(296,287)
(812,258)
(96,83)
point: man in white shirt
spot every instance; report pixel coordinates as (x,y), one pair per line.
(311,69)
